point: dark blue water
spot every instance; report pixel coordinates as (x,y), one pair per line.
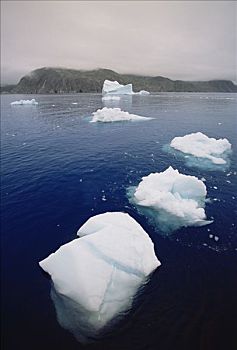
(56,170)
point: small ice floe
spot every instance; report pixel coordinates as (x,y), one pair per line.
(104,198)
(202,146)
(106,115)
(110,98)
(228,181)
(142,92)
(215,188)
(74,103)
(211,236)
(96,276)
(24,102)
(171,199)
(219,123)
(216,238)
(203,179)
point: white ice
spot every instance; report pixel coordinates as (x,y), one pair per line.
(114,88)
(106,115)
(173,199)
(142,92)
(25,102)
(110,98)
(202,146)
(96,276)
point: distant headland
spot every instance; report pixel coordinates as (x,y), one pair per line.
(50,80)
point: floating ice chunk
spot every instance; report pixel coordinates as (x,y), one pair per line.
(172,199)
(96,276)
(201,146)
(110,98)
(114,88)
(142,92)
(114,115)
(24,102)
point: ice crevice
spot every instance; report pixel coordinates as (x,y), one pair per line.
(112,261)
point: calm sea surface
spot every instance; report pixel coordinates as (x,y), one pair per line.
(57,171)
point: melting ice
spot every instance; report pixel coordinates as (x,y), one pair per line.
(172,199)
(25,102)
(96,276)
(106,115)
(201,146)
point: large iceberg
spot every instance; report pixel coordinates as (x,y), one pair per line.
(106,115)
(24,102)
(114,88)
(172,199)
(96,276)
(201,146)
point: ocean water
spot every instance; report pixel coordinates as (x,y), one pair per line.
(58,170)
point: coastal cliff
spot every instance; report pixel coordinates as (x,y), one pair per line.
(62,80)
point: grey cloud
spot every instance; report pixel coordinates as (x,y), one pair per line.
(190,40)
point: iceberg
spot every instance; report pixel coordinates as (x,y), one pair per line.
(110,98)
(96,276)
(201,146)
(114,88)
(172,199)
(24,102)
(106,115)
(142,92)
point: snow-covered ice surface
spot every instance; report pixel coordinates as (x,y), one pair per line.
(114,88)
(106,115)
(24,102)
(96,276)
(213,151)
(171,199)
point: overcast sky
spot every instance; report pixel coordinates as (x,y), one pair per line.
(189,40)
